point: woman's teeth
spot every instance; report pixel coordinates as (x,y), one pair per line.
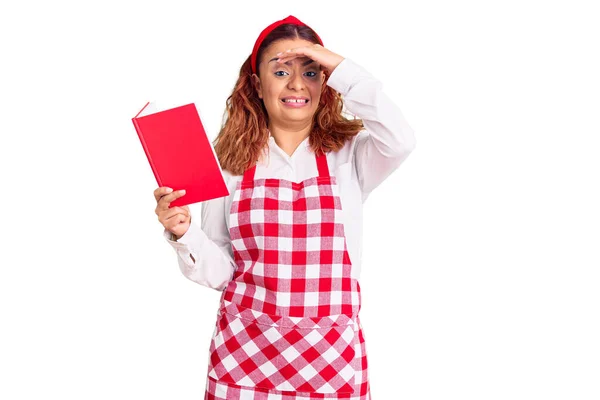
(295,101)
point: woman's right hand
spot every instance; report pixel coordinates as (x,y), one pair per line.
(176,219)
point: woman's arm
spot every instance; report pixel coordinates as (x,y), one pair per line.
(387,140)
(204,252)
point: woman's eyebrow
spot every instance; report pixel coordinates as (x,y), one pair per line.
(304,64)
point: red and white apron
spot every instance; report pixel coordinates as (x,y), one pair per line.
(288,325)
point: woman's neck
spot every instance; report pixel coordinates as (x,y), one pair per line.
(289,139)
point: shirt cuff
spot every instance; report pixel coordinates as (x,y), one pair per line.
(193,239)
(345,75)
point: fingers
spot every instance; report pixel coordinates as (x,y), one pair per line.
(305,50)
(176,219)
(323,57)
(164,196)
(161,191)
(174,216)
(165,200)
(296,51)
(178,212)
(290,54)
(327,59)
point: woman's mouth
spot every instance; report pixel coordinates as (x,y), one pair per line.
(294,103)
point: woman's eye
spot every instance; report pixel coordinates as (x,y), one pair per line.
(277,73)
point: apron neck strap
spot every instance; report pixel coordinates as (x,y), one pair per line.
(249,174)
(321,166)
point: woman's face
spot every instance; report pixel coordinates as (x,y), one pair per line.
(298,78)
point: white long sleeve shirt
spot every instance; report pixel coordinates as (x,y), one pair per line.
(204,252)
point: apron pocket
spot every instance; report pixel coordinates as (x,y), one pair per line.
(285,356)
(317,360)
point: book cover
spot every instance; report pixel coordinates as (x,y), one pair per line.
(179,153)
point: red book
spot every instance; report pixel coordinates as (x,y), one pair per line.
(179,153)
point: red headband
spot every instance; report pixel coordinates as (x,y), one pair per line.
(289,20)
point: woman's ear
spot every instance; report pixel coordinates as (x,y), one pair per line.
(323,79)
(257,85)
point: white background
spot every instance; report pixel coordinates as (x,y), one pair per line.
(481,252)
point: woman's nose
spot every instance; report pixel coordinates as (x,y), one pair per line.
(296,81)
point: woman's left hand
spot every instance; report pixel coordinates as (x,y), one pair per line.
(326,58)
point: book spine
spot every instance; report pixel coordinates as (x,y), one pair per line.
(146,150)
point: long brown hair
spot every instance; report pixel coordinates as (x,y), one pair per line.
(244,133)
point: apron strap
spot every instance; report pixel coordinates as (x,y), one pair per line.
(321,166)
(249,174)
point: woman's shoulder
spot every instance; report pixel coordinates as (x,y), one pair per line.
(219,203)
(345,154)
(231,180)
(229,177)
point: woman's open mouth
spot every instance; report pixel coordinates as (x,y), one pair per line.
(294,103)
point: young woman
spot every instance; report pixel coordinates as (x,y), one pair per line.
(285,246)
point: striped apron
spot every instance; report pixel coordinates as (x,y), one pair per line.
(288,326)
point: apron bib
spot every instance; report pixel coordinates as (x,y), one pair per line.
(288,319)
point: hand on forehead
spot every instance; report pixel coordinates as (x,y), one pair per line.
(299,60)
(282,46)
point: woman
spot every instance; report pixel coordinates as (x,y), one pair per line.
(281,247)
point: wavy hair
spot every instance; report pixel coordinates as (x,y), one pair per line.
(244,134)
